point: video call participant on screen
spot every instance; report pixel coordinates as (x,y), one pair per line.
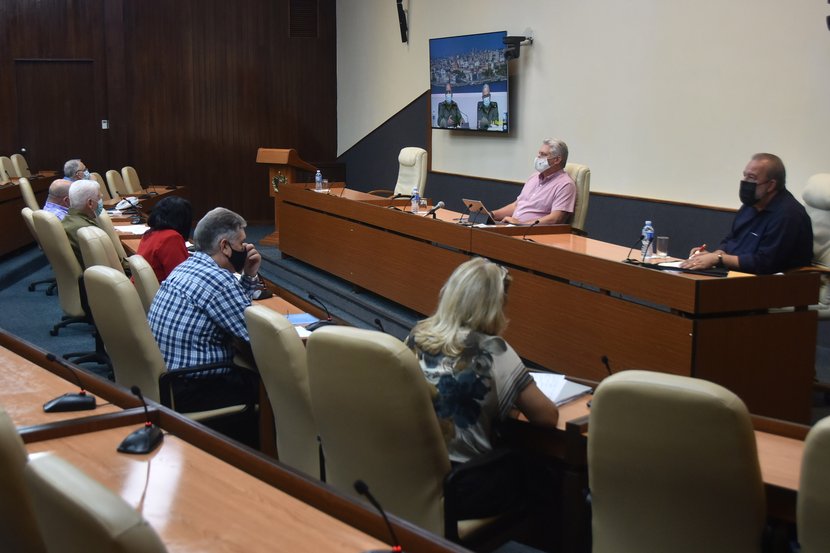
(478,377)
(487,110)
(448,113)
(771,231)
(548,195)
(198,314)
(57,201)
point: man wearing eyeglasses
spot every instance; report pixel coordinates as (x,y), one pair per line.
(771,231)
(75,169)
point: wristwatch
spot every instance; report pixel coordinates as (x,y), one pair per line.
(720,260)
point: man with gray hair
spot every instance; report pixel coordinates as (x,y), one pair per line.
(74,169)
(198,313)
(57,201)
(549,194)
(85,205)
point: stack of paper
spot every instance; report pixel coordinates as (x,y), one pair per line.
(557,388)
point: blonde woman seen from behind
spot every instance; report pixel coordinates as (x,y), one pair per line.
(478,377)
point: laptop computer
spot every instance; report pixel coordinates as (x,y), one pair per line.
(477,214)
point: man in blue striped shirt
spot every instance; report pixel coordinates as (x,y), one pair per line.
(198,313)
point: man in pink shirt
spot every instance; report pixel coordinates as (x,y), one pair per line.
(549,195)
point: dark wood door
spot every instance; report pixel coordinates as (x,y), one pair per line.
(56,113)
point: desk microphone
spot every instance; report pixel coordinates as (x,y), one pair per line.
(145,439)
(628,257)
(69,402)
(361,488)
(317,324)
(605,362)
(434,209)
(536,222)
(467,213)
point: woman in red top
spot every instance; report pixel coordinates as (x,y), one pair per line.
(163,246)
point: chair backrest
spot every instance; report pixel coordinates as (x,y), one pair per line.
(21,166)
(816,196)
(28,194)
(7,171)
(122,324)
(375,417)
(116,184)
(581,175)
(96,248)
(18,526)
(105,223)
(144,277)
(814,490)
(672,466)
(412,170)
(130,178)
(105,192)
(64,264)
(77,513)
(281,358)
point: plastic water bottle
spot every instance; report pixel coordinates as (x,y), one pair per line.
(415,202)
(647,249)
(318,181)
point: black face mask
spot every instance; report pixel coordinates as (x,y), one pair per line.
(238,258)
(747,193)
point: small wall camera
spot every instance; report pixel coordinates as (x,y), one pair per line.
(513,46)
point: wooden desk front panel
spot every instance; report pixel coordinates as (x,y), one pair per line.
(405,270)
(767,359)
(567,328)
(198,503)
(576,258)
(13,229)
(25,387)
(441,232)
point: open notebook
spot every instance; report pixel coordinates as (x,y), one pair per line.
(557,388)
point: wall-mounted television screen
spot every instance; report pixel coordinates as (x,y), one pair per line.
(468,82)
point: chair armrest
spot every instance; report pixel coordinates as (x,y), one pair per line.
(166,378)
(382,192)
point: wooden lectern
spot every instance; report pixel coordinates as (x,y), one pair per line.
(285,165)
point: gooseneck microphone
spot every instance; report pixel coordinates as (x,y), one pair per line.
(607,364)
(80,401)
(467,213)
(435,208)
(628,257)
(536,222)
(145,439)
(363,489)
(317,324)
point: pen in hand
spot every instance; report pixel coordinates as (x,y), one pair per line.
(698,250)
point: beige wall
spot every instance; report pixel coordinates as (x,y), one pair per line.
(662,100)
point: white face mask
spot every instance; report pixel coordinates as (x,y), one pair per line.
(541,164)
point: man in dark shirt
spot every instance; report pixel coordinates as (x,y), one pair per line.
(771,231)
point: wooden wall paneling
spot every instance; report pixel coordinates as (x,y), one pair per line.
(191,88)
